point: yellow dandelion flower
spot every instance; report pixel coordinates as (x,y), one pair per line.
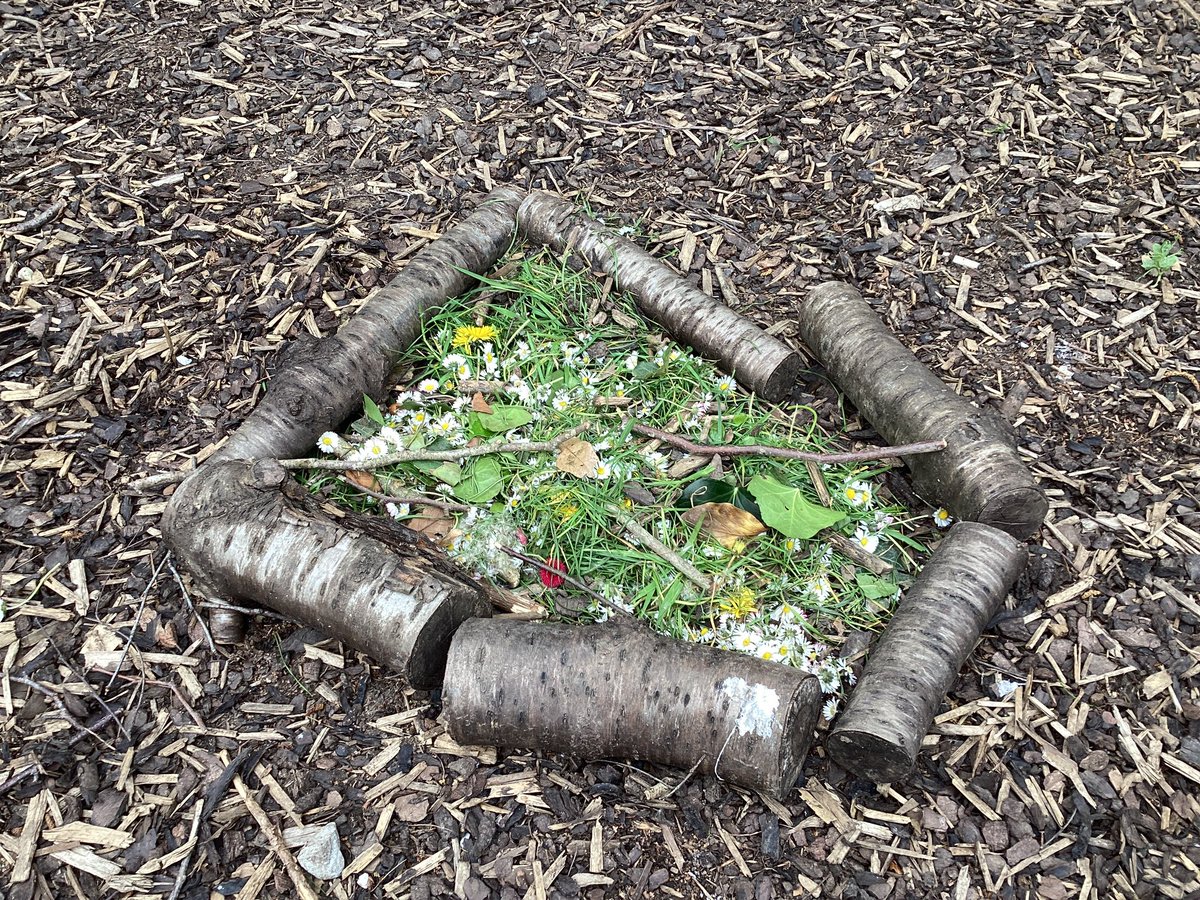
(739,604)
(466,335)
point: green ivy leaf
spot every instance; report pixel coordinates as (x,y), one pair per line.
(788,511)
(714,490)
(449,472)
(505,418)
(874,588)
(371,408)
(483,481)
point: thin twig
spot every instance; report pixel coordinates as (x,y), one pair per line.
(149,483)
(62,707)
(275,840)
(574,582)
(644,537)
(412,501)
(187,598)
(181,875)
(246,610)
(786,452)
(405,456)
(145,682)
(137,618)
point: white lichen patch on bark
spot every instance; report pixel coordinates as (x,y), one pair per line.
(759,705)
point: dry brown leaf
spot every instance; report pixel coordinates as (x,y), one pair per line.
(480,404)
(577,457)
(728,524)
(432,522)
(362,478)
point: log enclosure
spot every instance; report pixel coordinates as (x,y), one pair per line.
(247,531)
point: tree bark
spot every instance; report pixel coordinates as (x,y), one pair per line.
(246,536)
(326,385)
(960,589)
(620,690)
(979,476)
(760,362)
(251,533)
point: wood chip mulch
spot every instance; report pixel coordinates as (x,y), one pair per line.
(186,187)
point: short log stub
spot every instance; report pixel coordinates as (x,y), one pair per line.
(979,477)
(960,589)
(620,690)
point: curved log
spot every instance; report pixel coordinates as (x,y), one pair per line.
(979,477)
(933,631)
(620,690)
(760,362)
(254,534)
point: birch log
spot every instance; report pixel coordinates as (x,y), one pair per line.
(760,362)
(242,530)
(960,589)
(620,690)
(979,477)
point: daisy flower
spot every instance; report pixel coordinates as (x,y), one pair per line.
(488,355)
(562,401)
(466,335)
(463,370)
(744,641)
(618,390)
(603,470)
(829,710)
(446,425)
(657,460)
(865,539)
(418,420)
(791,545)
(820,587)
(588,379)
(772,651)
(631,361)
(397,510)
(391,436)
(453,360)
(523,351)
(726,385)
(428,385)
(329,443)
(375,448)
(857,493)
(828,678)
(942,517)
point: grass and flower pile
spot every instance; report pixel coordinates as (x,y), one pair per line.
(546,436)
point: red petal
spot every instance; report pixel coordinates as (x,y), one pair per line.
(549,579)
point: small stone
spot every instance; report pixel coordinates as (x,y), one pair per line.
(322,856)
(476,889)
(1022,850)
(995,836)
(537,94)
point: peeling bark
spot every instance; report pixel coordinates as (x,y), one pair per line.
(254,534)
(979,477)
(760,362)
(960,589)
(619,690)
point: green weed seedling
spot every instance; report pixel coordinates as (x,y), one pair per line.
(1161,260)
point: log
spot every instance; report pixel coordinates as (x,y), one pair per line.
(760,362)
(979,477)
(620,690)
(939,620)
(246,535)
(253,534)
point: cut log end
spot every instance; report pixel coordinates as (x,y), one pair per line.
(868,755)
(1018,511)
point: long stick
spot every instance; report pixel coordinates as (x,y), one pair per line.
(690,572)
(786,452)
(403,456)
(275,840)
